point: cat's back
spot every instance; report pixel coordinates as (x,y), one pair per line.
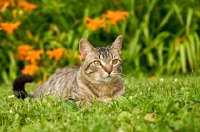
(65,71)
(63,75)
(58,82)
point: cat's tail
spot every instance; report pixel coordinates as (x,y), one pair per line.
(19,83)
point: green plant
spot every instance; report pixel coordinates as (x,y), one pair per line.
(166,39)
(160,37)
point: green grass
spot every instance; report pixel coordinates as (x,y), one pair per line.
(147,106)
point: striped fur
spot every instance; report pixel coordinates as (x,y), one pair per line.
(98,77)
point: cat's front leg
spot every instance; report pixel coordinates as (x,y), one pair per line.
(83,102)
(105,99)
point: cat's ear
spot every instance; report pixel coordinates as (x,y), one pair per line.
(117,44)
(85,47)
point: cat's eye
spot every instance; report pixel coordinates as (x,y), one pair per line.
(97,63)
(115,61)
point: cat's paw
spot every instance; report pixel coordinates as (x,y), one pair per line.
(82,103)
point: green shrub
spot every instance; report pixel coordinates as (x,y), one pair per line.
(160,37)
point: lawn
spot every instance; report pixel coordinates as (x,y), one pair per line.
(155,104)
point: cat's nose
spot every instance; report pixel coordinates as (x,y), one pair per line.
(108,69)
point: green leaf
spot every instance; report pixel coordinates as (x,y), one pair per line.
(160,54)
(197,48)
(189,55)
(150,58)
(12,66)
(166,18)
(160,38)
(189,20)
(178,13)
(183,58)
(192,44)
(134,42)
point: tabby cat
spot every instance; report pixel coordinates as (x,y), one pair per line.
(98,77)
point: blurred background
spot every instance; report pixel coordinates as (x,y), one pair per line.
(161,37)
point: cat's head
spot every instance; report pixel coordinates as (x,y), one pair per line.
(101,64)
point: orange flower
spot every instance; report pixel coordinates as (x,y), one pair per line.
(9,27)
(55,53)
(27,6)
(115,16)
(23,51)
(4,4)
(30,69)
(33,55)
(95,24)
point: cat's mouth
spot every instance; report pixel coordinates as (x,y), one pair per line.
(108,77)
(105,78)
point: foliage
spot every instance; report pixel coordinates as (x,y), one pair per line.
(160,37)
(164,104)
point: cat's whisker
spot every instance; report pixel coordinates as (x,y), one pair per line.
(123,75)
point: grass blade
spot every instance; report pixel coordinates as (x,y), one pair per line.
(183,58)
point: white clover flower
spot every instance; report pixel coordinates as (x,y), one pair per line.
(175,80)
(161,79)
(11,96)
(10,111)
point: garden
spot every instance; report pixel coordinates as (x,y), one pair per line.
(160,53)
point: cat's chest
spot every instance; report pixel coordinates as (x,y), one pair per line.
(103,91)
